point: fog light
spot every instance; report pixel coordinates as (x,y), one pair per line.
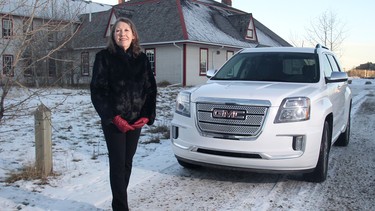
(174,132)
(298,143)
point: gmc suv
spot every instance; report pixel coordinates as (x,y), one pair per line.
(266,109)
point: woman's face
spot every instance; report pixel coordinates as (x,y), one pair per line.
(123,35)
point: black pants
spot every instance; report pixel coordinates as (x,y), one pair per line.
(121,149)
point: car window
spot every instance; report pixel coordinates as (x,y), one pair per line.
(271,66)
(333,63)
(327,69)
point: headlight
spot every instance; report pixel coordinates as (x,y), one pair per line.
(183,104)
(293,110)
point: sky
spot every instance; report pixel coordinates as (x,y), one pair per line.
(290,19)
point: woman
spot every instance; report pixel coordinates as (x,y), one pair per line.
(123,92)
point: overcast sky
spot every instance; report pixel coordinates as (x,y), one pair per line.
(291,18)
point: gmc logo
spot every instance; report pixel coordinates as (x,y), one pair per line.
(228,114)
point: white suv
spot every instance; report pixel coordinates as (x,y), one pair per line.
(267,109)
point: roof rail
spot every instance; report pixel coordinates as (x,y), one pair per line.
(321,46)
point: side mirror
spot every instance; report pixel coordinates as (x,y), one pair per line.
(337,77)
(210,73)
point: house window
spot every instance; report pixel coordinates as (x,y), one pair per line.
(229,54)
(203,61)
(51,67)
(85,64)
(251,31)
(7,65)
(250,34)
(7,27)
(28,67)
(150,52)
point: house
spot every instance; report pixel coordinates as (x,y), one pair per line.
(32,32)
(182,38)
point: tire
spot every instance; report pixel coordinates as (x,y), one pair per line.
(321,170)
(344,137)
(186,164)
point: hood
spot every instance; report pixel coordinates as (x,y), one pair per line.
(274,92)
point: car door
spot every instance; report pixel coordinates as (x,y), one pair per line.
(340,91)
(330,89)
(336,92)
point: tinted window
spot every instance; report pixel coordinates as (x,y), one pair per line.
(282,67)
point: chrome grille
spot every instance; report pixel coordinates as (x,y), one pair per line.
(227,125)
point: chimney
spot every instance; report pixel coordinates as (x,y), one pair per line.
(227,2)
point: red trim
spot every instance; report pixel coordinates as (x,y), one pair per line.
(182,20)
(109,22)
(255,31)
(184,65)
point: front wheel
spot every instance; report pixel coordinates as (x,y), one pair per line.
(320,172)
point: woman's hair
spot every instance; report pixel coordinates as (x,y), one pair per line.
(135,47)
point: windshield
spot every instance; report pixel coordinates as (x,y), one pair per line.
(267,66)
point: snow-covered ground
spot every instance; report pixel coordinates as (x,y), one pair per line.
(80,164)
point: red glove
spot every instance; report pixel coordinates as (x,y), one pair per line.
(140,122)
(122,124)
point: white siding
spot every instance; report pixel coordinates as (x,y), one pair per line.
(168,63)
(216,58)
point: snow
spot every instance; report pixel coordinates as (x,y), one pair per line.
(198,25)
(80,164)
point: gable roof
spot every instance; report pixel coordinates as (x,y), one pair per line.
(172,21)
(156,20)
(91,33)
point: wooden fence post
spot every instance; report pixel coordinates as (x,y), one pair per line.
(43,140)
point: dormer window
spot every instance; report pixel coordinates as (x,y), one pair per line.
(250,31)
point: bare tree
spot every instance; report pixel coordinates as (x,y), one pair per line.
(327,30)
(34,31)
(296,40)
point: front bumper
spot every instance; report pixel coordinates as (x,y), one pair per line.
(278,148)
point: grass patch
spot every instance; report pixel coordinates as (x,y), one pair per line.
(28,173)
(160,129)
(163,84)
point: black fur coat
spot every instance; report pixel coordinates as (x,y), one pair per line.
(123,85)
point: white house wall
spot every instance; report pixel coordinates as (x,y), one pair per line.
(168,63)
(216,58)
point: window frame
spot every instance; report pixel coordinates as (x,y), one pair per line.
(203,68)
(248,31)
(5,32)
(8,68)
(227,55)
(85,63)
(151,59)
